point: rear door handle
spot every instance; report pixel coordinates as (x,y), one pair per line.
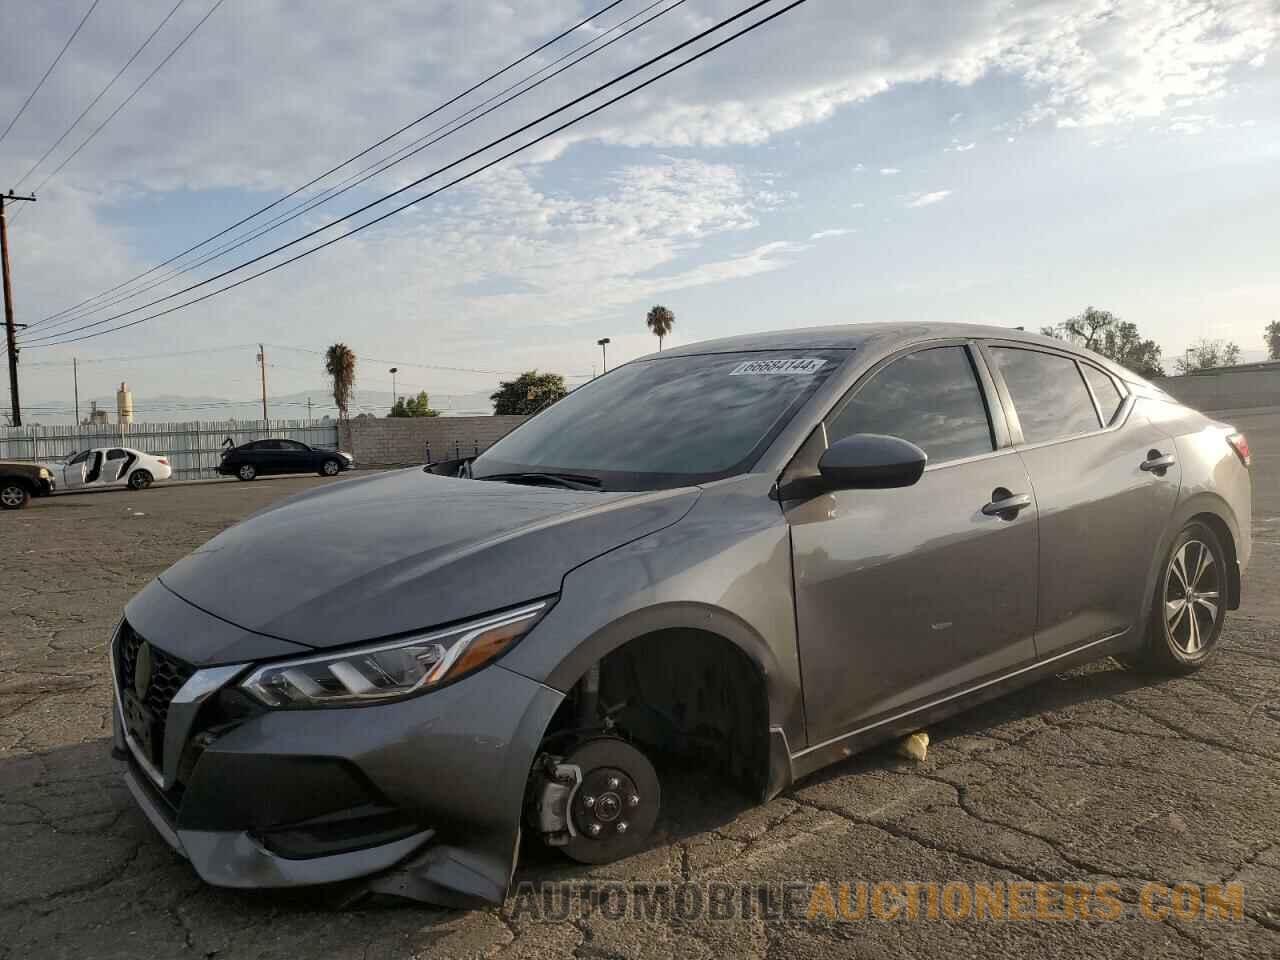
(1157,463)
(1007,507)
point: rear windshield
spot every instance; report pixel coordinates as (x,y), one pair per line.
(667,421)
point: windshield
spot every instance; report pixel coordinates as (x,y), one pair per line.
(667,421)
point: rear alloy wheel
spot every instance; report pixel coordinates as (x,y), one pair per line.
(139,480)
(1191,603)
(615,807)
(246,471)
(13,495)
(330,468)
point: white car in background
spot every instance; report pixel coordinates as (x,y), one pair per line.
(110,467)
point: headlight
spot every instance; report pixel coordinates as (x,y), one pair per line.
(389,671)
(44,473)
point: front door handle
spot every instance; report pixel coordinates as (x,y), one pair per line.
(1157,462)
(1006,505)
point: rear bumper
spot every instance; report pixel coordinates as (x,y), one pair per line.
(46,487)
(420,798)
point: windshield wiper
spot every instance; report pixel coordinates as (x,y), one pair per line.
(572,481)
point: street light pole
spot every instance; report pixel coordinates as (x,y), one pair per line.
(604,361)
(393,386)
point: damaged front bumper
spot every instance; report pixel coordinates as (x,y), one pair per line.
(419,798)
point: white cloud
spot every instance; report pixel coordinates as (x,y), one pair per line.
(889,171)
(835,232)
(858,205)
(959,148)
(926,199)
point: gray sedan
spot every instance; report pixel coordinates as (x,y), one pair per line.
(762,554)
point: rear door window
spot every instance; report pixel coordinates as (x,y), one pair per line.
(116,454)
(1105,392)
(930,397)
(1048,393)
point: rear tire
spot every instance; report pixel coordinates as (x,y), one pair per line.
(330,468)
(13,495)
(247,471)
(140,480)
(1189,606)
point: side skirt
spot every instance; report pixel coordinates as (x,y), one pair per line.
(900,724)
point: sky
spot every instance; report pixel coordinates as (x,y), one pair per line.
(995,162)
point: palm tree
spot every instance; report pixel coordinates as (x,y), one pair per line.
(340,364)
(660,321)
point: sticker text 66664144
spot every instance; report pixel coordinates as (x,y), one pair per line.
(795,366)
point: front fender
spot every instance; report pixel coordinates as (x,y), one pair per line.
(725,568)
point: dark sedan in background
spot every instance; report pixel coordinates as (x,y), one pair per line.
(265,457)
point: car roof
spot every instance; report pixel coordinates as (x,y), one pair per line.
(881,335)
(852,336)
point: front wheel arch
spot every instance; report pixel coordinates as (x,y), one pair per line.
(685,688)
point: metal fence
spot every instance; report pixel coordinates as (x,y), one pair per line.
(193,449)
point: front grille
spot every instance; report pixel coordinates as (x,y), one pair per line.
(168,674)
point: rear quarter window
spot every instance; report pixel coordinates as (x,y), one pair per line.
(1105,392)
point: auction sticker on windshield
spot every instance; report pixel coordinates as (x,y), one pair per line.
(803,366)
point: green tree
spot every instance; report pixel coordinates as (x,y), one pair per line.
(340,365)
(418,406)
(660,320)
(528,393)
(1272,338)
(1104,333)
(1207,354)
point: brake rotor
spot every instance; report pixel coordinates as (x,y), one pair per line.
(615,808)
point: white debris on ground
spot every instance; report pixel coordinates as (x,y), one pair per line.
(915,747)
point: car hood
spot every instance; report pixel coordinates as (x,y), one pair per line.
(401,551)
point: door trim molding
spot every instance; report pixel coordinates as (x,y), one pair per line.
(957,695)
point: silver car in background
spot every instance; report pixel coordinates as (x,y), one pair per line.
(763,553)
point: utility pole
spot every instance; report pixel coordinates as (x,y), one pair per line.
(75,380)
(309,417)
(10,328)
(604,361)
(394,371)
(262,361)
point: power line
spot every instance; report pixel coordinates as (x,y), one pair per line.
(101,93)
(539,139)
(136,90)
(312,182)
(25,103)
(391,160)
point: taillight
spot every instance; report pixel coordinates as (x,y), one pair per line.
(1241,446)
(164,460)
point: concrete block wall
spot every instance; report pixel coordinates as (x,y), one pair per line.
(403,441)
(1226,390)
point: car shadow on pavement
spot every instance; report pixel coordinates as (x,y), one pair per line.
(1005,718)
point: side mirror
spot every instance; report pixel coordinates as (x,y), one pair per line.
(871,461)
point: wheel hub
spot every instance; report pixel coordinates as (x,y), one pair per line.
(604,796)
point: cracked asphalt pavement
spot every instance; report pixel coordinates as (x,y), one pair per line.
(1097,774)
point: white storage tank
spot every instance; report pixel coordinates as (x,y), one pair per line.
(124,403)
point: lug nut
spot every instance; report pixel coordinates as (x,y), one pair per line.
(594,829)
(588,802)
(614,783)
(633,801)
(622,826)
